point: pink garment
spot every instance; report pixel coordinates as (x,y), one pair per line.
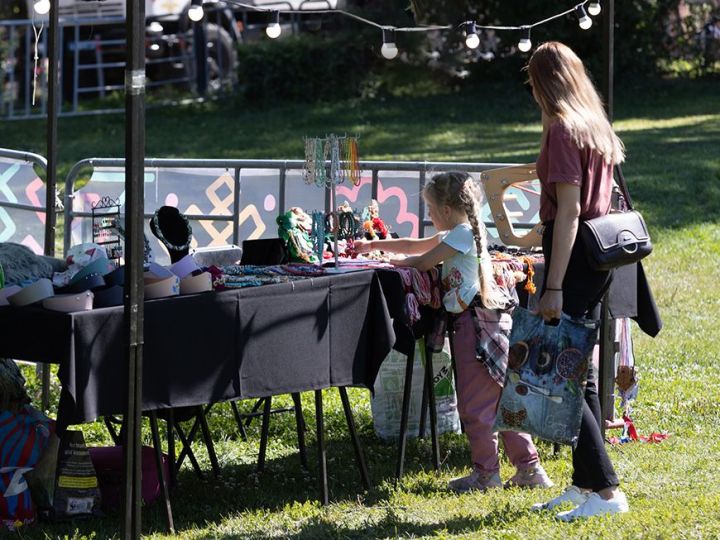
(561,161)
(478,396)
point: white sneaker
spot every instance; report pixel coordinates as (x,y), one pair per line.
(595,505)
(573,495)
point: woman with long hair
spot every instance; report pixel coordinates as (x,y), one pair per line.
(578,151)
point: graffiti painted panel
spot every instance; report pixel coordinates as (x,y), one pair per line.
(19,184)
(210,191)
(260,202)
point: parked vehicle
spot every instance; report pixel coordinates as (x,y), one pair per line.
(95,48)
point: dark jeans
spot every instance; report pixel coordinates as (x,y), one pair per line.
(583,288)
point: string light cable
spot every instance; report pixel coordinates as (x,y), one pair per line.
(389,48)
(38,32)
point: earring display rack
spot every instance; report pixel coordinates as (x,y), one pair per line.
(106,227)
(328,162)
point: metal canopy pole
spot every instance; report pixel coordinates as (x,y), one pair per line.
(608,56)
(54,49)
(606,375)
(134,258)
(52,122)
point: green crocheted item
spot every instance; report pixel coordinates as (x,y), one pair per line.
(297,239)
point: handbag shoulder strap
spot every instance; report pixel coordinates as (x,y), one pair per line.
(623,186)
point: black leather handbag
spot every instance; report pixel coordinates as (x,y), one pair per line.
(618,238)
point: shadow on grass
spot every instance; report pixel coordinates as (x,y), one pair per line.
(393,525)
(239,488)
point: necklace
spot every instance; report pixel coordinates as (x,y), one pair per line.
(165,241)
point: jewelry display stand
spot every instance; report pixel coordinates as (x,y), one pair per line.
(105,227)
(172,228)
(342,154)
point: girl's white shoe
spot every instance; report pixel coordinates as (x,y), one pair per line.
(595,505)
(573,495)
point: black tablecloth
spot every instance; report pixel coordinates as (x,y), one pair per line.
(246,343)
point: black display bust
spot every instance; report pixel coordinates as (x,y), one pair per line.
(173,230)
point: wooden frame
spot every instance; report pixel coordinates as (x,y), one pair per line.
(495,183)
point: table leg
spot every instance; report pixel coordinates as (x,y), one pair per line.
(452,363)
(238,420)
(187,451)
(404,415)
(430,390)
(359,457)
(117,440)
(423,412)
(300,426)
(170,422)
(322,457)
(264,434)
(252,414)
(161,471)
(207,438)
(45,391)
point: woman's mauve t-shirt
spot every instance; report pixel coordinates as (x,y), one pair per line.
(561,161)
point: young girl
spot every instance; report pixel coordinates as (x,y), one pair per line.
(575,168)
(452,201)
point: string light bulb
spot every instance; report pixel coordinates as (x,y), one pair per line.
(472,40)
(196,13)
(525,44)
(594,8)
(273,29)
(389,50)
(584,21)
(42,7)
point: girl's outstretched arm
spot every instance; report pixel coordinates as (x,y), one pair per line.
(429,259)
(406,246)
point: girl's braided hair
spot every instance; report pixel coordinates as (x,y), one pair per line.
(459,191)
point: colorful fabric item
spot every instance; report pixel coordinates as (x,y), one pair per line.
(630,434)
(492,341)
(546,376)
(460,279)
(626,378)
(78,257)
(23,436)
(421,289)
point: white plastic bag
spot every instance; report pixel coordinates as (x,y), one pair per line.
(387,402)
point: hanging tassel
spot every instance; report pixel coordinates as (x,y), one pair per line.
(421,287)
(412,308)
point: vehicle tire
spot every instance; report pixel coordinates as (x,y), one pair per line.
(222,59)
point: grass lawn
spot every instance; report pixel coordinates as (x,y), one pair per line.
(672,133)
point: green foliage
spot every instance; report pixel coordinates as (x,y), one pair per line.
(648,33)
(306,68)
(343,59)
(12,9)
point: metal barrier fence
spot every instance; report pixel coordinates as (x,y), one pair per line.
(232,200)
(227,200)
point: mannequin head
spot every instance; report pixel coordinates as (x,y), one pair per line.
(173,230)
